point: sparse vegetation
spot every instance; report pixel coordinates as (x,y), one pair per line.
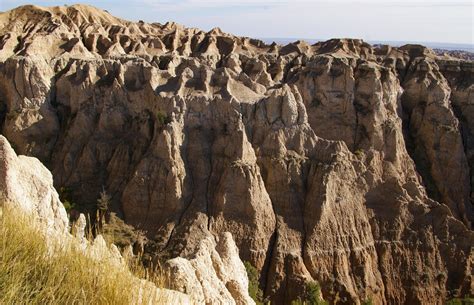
(69,206)
(254,291)
(117,232)
(359,153)
(103,201)
(461,301)
(33,271)
(163,118)
(102,207)
(312,296)
(65,195)
(368,302)
(12,115)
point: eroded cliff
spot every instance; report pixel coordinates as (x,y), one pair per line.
(337,162)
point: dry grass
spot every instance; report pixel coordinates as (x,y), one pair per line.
(30,274)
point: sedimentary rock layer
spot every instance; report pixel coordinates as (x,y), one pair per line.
(337,162)
(27,188)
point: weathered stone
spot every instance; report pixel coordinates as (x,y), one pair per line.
(213,275)
(27,187)
(28,184)
(339,162)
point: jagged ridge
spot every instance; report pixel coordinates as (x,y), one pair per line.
(323,160)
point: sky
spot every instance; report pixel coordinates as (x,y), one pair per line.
(442,21)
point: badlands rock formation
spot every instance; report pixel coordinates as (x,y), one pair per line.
(214,275)
(27,187)
(337,162)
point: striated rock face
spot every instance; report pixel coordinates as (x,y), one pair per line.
(27,187)
(338,162)
(213,275)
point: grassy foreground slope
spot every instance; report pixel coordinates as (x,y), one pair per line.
(37,270)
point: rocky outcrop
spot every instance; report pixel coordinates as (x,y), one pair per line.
(27,187)
(213,275)
(339,162)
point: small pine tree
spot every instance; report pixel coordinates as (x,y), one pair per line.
(102,207)
(65,195)
(103,201)
(312,296)
(254,291)
(163,118)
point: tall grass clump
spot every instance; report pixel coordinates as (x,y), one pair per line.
(39,270)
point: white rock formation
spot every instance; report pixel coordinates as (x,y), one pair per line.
(25,182)
(214,275)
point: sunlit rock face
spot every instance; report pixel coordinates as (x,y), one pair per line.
(26,190)
(338,162)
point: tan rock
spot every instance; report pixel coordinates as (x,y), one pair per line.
(340,162)
(27,187)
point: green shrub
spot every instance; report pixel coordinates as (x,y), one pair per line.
(163,118)
(359,152)
(65,195)
(312,295)
(461,301)
(254,290)
(69,206)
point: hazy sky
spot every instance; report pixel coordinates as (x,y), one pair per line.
(381,20)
